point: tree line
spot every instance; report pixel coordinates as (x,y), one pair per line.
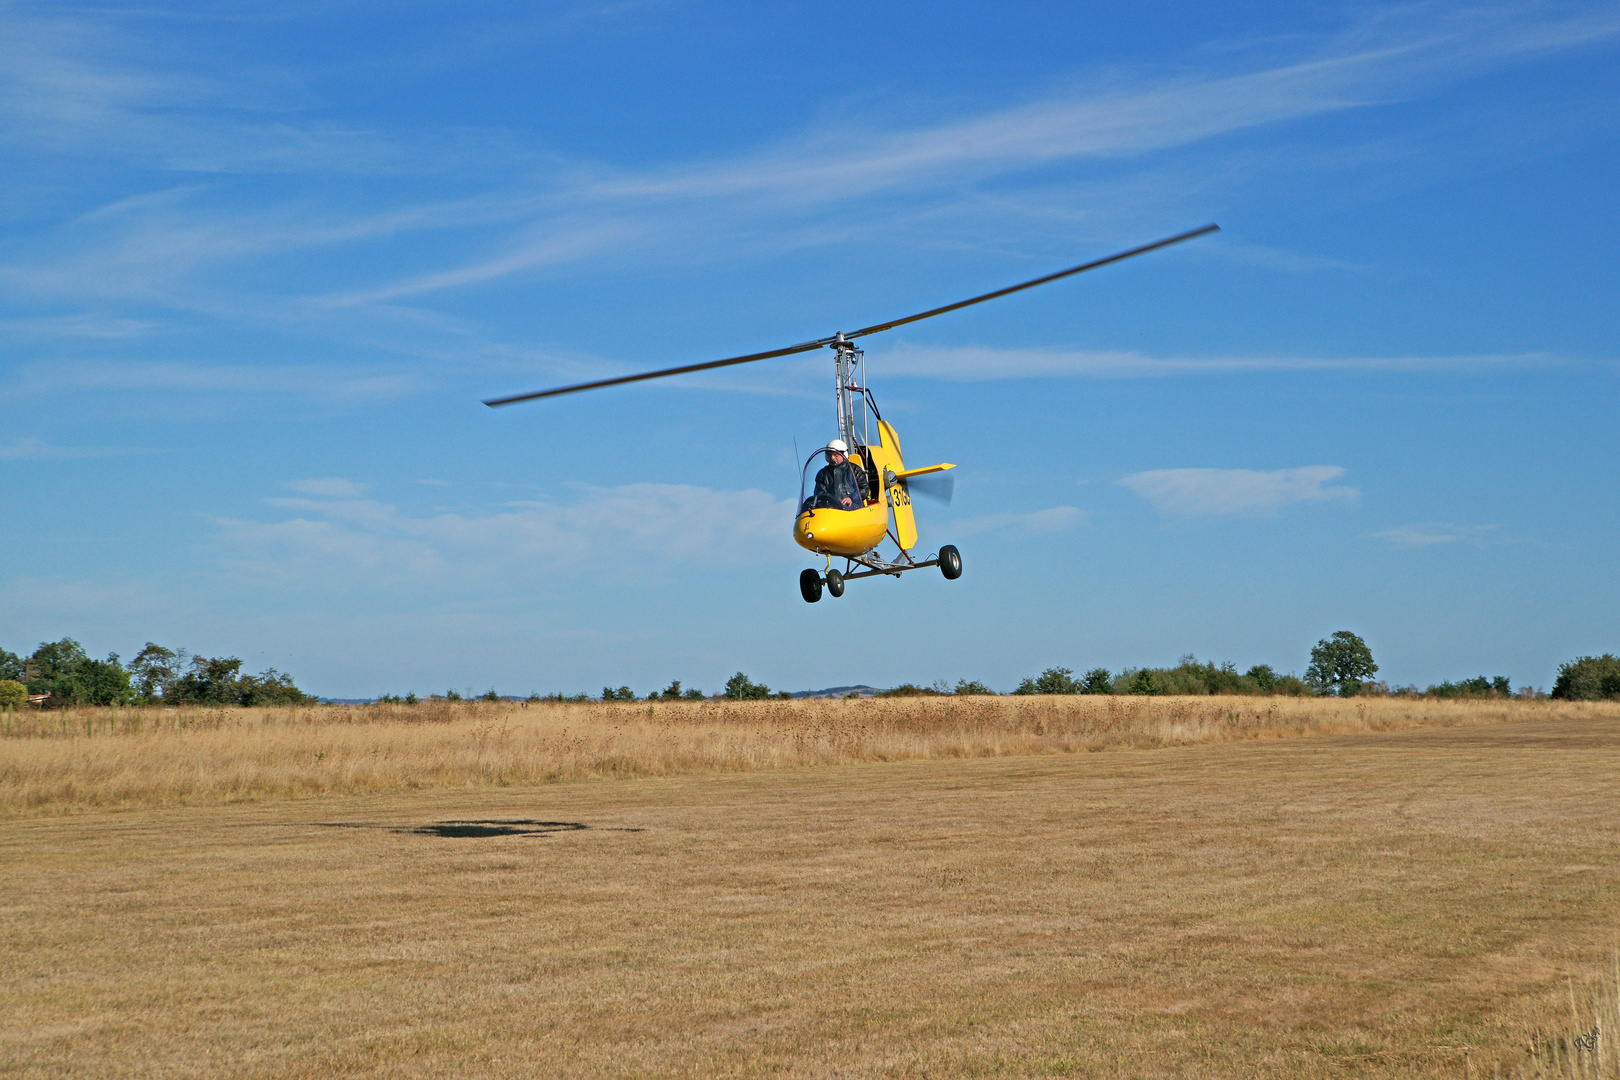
(738,688)
(64,674)
(1341,665)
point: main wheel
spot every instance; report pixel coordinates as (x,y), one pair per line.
(810,586)
(950,562)
(835,583)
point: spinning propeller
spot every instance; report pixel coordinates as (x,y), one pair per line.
(807,346)
(937,487)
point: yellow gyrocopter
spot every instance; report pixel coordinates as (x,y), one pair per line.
(833,525)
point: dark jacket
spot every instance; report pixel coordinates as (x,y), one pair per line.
(835,483)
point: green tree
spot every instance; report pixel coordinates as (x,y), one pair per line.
(272,687)
(52,662)
(1478,686)
(741,688)
(13,694)
(64,670)
(1265,679)
(1057,680)
(1097,681)
(1342,662)
(963,686)
(95,682)
(11,666)
(1054,680)
(212,680)
(1589,678)
(1147,681)
(672,692)
(1292,686)
(623,693)
(907,689)
(154,671)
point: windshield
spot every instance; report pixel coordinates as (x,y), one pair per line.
(823,484)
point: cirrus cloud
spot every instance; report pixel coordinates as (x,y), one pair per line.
(1437,534)
(335,536)
(1214,492)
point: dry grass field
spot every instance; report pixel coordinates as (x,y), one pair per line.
(916,889)
(72,759)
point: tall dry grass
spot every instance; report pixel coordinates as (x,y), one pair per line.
(146,757)
(1582,1044)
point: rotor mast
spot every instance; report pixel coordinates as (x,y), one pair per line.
(847,364)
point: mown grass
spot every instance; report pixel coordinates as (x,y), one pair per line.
(1434,901)
(79,758)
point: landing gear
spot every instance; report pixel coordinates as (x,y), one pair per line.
(810,586)
(949,561)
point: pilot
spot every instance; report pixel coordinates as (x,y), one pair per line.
(838,485)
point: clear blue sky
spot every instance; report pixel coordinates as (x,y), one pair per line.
(260,262)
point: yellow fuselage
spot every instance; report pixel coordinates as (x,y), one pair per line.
(842,532)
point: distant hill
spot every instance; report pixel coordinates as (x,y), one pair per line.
(839,692)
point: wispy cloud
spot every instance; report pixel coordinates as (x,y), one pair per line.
(1382,59)
(73,80)
(76,326)
(983,364)
(564,246)
(38,450)
(79,84)
(338,537)
(182,377)
(1213,492)
(1438,534)
(332,487)
(1034,523)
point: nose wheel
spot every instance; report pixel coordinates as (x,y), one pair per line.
(810,586)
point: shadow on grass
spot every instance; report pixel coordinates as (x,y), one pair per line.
(475,829)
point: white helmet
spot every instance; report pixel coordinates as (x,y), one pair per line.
(837,446)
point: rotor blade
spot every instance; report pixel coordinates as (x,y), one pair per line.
(808,345)
(1156,245)
(936,486)
(803,347)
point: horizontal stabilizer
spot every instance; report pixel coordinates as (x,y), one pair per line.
(924,471)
